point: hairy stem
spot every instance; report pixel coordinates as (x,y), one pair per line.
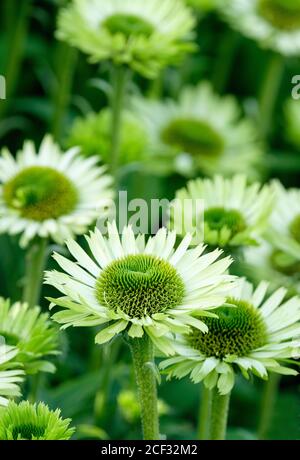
(142,355)
(35,263)
(219,415)
(204,413)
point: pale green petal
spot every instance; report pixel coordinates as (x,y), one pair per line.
(109,332)
(226,383)
(136,331)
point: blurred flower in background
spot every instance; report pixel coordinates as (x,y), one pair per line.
(146,36)
(284,228)
(274,24)
(92,134)
(234,214)
(130,408)
(268,262)
(201,132)
(31,332)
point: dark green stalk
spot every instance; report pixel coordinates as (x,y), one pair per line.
(15,49)
(204,413)
(269,93)
(219,415)
(142,355)
(65,73)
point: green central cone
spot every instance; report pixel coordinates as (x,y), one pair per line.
(237,331)
(140,285)
(193,136)
(218,218)
(282,14)
(40,193)
(128,25)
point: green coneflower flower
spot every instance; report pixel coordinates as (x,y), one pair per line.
(25,421)
(145,36)
(252,334)
(139,287)
(234,213)
(50,193)
(10,374)
(275,24)
(31,332)
(202,131)
(93,135)
(284,228)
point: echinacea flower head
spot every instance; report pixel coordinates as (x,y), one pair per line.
(93,135)
(233,213)
(252,334)
(202,131)
(33,422)
(274,24)
(284,229)
(31,332)
(138,287)
(11,374)
(146,36)
(50,193)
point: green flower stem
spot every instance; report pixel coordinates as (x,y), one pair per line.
(142,355)
(271,388)
(219,415)
(9,8)
(269,92)
(225,60)
(15,48)
(156,87)
(65,72)
(204,413)
(119,83)
(35,263)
